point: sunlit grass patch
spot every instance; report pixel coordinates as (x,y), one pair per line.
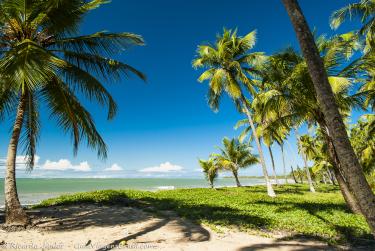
(295,211)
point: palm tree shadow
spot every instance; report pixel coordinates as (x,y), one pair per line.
(81,216)
(348,234)
(76,217)
(290,189)
(151,228)
(287,246)
(224,215)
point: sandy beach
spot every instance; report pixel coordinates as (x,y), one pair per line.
(92,227)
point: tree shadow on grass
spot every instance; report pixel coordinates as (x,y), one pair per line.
(287,246)
(283,190)
(347,234)
(228,216)
(79,216)
(220,215)
(311,207)
(291,189)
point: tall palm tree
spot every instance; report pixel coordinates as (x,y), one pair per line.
(268,134)
(364,10)
(268,137)
(286,81)
(235,155)
(293,175)
(281,144)
(286,77)
(231,68)
(324,156)
(306,148)
(210,169)
(266,140)
(44,60)
(337,130)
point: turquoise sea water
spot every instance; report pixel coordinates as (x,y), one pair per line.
(34,190)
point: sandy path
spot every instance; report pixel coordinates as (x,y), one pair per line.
(91,227)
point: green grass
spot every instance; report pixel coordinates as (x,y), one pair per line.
(323,215)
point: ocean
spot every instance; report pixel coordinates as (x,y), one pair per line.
(34,190)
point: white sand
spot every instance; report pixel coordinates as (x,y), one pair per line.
(95,228)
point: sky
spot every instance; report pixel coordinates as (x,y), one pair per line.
(164,126)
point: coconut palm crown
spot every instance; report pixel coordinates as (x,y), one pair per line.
(45,61)
(210,170)
(229,66)
(235,155)
(364,10)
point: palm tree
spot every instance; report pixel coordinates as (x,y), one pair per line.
(266,140)
(293,175)
(300,174)
(286,82)
(235,155)
(286,77)
(363,68)
(321,164)
(362,136)
(268,137)
(318,149)
(283,158)
(367,64)
(337,130)
(43,59)
(306,148)
(210,170)
(231,68)
(268,134)
(365,11)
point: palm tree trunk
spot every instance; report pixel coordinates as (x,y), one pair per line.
(270,190)
(273,165)
(312,189)
(348,196)
(324,178)
(350,165)
(300,174)
(332,176)
(235,174)
(304,157)
(333,159)
(329,181)
(294,177)
(284,168)
(14,213)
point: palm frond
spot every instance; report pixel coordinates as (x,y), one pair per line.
(72,117)
(31,125)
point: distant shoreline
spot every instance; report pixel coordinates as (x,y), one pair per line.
(138,178)
(34,190)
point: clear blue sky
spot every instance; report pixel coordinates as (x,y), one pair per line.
(168,119)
